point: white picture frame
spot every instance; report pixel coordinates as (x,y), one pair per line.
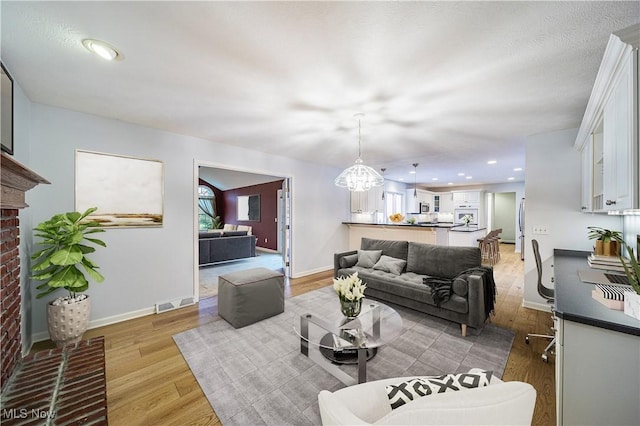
(128,191)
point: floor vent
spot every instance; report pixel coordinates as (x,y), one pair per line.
(174,304)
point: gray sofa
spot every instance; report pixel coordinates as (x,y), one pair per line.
(214,247)
(405,269)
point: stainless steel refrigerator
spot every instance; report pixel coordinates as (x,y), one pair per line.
(521,227)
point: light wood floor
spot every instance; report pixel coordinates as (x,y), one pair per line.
(149,383)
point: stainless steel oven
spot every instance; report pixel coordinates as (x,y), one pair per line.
(458,214)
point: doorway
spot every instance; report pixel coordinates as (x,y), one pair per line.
(271,230)
(504,214)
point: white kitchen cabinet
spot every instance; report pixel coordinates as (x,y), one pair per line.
(608,136)
(464,198)
(587,177)
(446,202)
(620,151)
(367,201)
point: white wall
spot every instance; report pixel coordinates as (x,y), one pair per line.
(146,266)
(553,191)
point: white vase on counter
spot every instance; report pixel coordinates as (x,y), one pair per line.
(632,304)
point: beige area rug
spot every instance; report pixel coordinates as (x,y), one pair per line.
(208,275)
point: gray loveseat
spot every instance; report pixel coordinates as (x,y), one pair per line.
(216,247)
(401,269)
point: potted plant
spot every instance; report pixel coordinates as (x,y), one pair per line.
(350,291)
(62,264)
(607,241)
(632,270)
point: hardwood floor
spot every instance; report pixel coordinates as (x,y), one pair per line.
(149,383)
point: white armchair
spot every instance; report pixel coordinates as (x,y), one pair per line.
(500,403)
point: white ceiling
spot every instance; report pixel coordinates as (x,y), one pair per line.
(449,85)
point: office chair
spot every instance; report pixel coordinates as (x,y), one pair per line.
(548,294)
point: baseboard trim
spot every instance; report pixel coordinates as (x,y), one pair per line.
(537,306)
(44,335)
(312,271)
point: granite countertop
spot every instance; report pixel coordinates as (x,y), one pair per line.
(411,225)
(573,299)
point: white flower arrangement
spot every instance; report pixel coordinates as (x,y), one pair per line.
(467,219)
(349,288)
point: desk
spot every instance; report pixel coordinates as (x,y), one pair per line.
(597,353)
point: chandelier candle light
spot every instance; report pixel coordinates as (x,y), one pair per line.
(350,291)
(359,177)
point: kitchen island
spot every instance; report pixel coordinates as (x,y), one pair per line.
(441,233)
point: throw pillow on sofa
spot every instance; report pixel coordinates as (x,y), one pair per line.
(390,264)
(368,258)
(410,390)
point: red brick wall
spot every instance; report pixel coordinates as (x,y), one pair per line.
(10,340)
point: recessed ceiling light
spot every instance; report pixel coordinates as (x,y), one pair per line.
(510,178)
(412,172)
(460,174)
(102,49)
(401,179)
(491,162)
(469,177)
(434,178)
(517,169)
(450,183)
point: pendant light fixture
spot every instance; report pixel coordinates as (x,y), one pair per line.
(383,170)
(415,191)
(359,177)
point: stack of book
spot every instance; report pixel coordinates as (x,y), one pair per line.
(611,263)
(610,295)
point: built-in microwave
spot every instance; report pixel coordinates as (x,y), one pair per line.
(458,215)
(424,207)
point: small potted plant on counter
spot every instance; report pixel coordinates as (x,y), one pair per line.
(60,264)
(607,241)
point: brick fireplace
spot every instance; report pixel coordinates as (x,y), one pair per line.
(16,179)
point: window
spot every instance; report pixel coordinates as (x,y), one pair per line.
(436,203)
(394,203)
(207,208)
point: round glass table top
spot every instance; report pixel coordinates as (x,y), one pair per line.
(326,326)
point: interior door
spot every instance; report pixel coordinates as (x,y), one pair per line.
(284,225)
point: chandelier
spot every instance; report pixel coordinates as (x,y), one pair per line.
(359,177)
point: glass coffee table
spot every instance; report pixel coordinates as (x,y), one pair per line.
(330,339)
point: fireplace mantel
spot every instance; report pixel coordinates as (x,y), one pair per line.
(16,180)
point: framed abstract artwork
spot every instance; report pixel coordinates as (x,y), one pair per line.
(128,191)
(6,110)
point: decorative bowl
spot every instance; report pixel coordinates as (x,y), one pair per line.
(396,218)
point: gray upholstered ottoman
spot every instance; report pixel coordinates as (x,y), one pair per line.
(250,296)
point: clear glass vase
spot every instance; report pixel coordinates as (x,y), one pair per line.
(350,308)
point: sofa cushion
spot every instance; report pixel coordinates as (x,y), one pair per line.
(397,249)
(407,391)
(390,264)
(234,233)
(348,261)
(441,261)
(368,258)
(460,287)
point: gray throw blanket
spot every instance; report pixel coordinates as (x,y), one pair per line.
(441,287)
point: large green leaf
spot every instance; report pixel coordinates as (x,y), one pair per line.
(86,249)
(67,256)
(69,278)
(95,275)
(73,217)
(41,265)
(96,241)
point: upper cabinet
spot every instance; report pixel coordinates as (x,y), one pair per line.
(422,197)
(466,198)
(367,201)
(608,135)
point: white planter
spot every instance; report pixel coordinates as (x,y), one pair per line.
(68,322)
(632,304)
